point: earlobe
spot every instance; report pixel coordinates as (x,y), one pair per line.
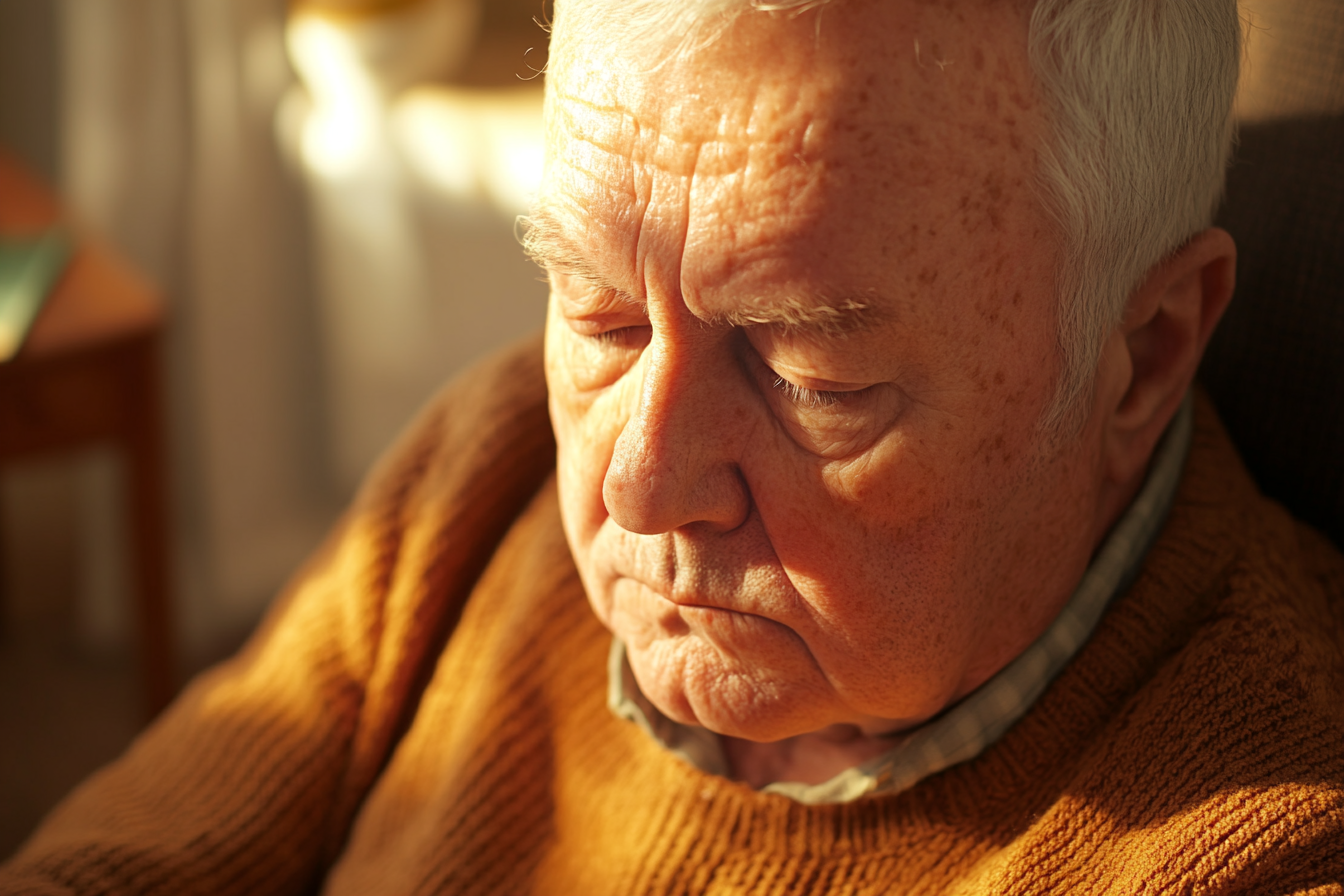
(1167,326)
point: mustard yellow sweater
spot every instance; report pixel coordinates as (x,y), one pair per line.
(424,712)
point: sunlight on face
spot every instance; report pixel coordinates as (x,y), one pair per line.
(800,335)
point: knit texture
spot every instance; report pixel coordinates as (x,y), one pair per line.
(424,712)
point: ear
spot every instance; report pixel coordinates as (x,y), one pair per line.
(1167,324)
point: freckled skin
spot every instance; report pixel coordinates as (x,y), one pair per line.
(779,571)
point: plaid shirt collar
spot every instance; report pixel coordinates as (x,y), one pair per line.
(980,718)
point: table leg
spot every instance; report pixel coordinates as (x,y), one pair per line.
(147,494)
(4,567)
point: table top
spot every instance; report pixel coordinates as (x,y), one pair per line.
(100,298)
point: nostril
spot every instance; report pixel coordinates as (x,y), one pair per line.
(651,501)
(627,488)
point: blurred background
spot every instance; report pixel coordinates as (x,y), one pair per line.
(324,194)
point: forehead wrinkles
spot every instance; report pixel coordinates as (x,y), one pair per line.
(616,161)
(708,172)
(743,204)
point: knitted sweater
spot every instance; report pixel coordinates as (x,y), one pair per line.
(424,712)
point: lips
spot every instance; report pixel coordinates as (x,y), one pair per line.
(694,607)
(689,596)
(681,601)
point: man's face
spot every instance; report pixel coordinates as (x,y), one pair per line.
(801,334)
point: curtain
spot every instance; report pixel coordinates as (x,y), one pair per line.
(317,292)
(167,149)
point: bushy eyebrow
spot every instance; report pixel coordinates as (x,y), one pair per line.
(814,313)
(546,242)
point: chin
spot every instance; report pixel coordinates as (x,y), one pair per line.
(708,692)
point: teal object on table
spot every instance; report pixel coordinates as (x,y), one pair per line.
(29,268)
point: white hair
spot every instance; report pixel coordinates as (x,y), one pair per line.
(1140,96)
(1139,99)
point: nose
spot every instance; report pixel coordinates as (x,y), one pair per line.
(675,463)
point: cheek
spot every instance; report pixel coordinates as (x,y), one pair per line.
(880,558)
(887,542)
(586,424)
(574,465)
(841,528)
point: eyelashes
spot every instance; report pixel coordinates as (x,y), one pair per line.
(621,337)
(806,398)
(800,397)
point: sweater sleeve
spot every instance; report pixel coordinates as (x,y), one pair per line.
(250,781)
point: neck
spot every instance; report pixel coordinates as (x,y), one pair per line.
(807,758)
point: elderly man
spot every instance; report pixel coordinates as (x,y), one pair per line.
(911,565)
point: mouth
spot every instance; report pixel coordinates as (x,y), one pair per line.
(690,602)
(702,613)
(644,617)
(652,593)
(687,607)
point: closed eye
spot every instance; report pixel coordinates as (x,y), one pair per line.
(622,337)
(807,398)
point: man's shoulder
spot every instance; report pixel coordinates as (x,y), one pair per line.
(481,436)
(1203,725)
(1238,727)
(1270,569)
(1263,593)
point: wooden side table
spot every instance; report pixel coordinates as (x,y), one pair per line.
(89,372)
